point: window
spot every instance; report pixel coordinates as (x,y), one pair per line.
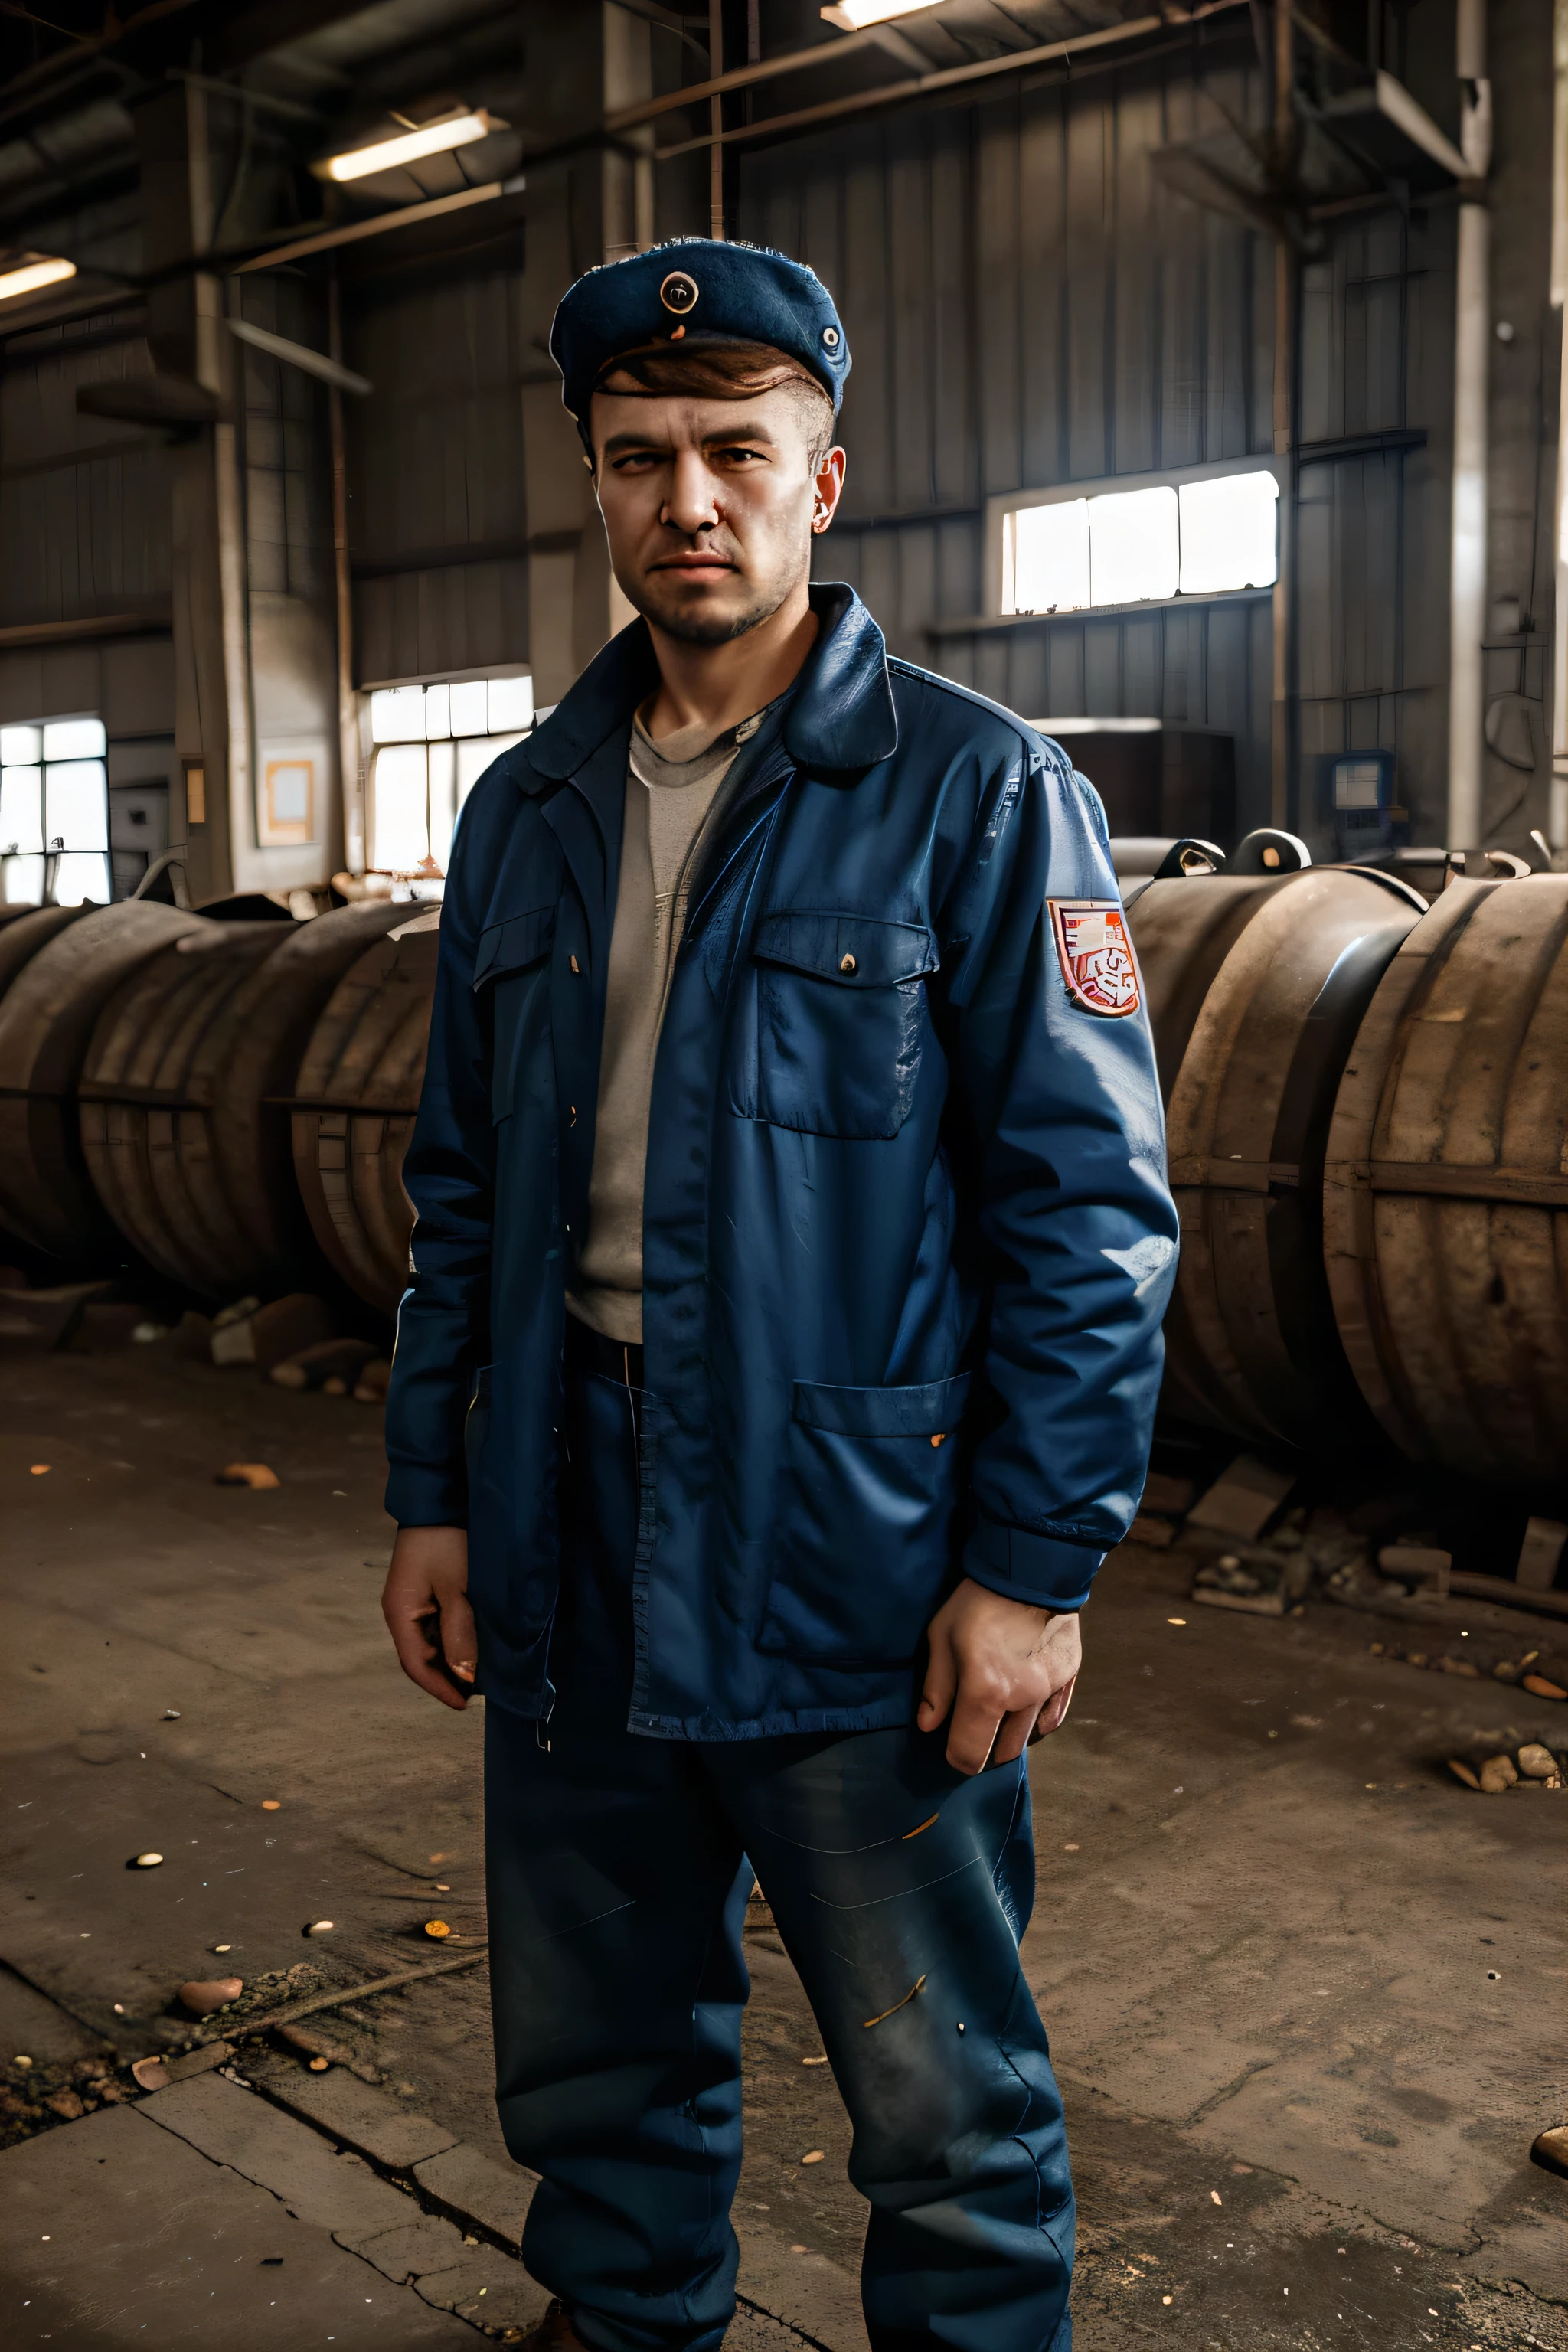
(1150,544)
(54,814)
(432,742)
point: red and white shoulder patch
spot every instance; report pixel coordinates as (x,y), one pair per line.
(1096,955)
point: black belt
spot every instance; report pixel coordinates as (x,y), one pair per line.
(614,1359)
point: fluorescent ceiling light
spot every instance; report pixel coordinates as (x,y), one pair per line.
(407,147)
(851,15)
(40,271)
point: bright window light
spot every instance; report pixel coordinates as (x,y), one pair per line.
(400,829)
(443,762)
(44,270)
(76,806)
(397,715)
(434,743)
(510,704)
(1132,546)
(1049,558)
(850,15)
(475,756)
(54,814)
(404,147)
(74,738)
(1142,546)
(21,808)
(78,879)
(1229,533)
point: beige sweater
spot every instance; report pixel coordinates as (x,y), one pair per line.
(670,791)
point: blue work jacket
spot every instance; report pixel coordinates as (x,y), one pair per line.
(907,1238)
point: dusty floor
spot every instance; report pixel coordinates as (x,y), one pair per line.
(1305,1993)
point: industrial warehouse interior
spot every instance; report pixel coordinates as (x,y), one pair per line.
(1205,412)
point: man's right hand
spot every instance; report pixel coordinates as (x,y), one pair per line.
(425,1604)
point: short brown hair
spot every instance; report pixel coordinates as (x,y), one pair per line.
(724,370)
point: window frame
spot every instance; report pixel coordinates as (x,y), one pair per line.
(1002,503)
(49,857)
(371,751)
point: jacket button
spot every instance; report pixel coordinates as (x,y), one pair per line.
(938,1439)
(847,963)
(576,966)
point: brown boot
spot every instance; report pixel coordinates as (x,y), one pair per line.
(554,2333)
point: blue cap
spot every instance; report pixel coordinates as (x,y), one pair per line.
(690,291)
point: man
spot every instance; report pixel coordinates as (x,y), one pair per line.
(783,1333)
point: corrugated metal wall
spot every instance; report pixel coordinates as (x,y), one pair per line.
(84,502)
(1376,360)
(84,533)
(435,477)
(1028,307)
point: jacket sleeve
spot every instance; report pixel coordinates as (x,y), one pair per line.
(1079,1231)
(448,1173)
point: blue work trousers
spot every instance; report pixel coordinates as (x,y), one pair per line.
(619,1869)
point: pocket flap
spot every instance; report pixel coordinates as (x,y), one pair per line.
(857,950)
(932,1409)
(513,945)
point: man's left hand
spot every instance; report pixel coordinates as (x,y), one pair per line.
(1003,1668)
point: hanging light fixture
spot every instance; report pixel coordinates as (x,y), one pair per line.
(407,146)
(854,16)
(33,270)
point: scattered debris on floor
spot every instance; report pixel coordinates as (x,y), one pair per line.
(332,1364)
(203,1997)
(250,1333)
(201,2032)
(1243,1500)
(48,1318)
(258,1475)
(1272,1539)
(1534,1767)
(1479,1660)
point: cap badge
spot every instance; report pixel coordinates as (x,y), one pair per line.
(679,293)
(831,338)
(1096,956)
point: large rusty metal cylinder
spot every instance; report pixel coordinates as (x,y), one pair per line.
(67,965)
(185,1098)
(1256,987)
(1446,1186)
(356,1098)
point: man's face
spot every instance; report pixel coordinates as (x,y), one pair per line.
(711,505)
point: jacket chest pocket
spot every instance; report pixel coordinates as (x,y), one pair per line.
(513,968)
(841,1015)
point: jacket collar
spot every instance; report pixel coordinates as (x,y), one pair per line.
(840,716)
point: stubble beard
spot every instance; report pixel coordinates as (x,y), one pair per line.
(661,602)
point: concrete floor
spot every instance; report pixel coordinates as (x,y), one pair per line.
(1305,1992)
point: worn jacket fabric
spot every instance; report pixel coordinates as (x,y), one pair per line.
(907,1238)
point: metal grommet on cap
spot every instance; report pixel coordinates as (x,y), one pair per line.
(831,338)
(679,293)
